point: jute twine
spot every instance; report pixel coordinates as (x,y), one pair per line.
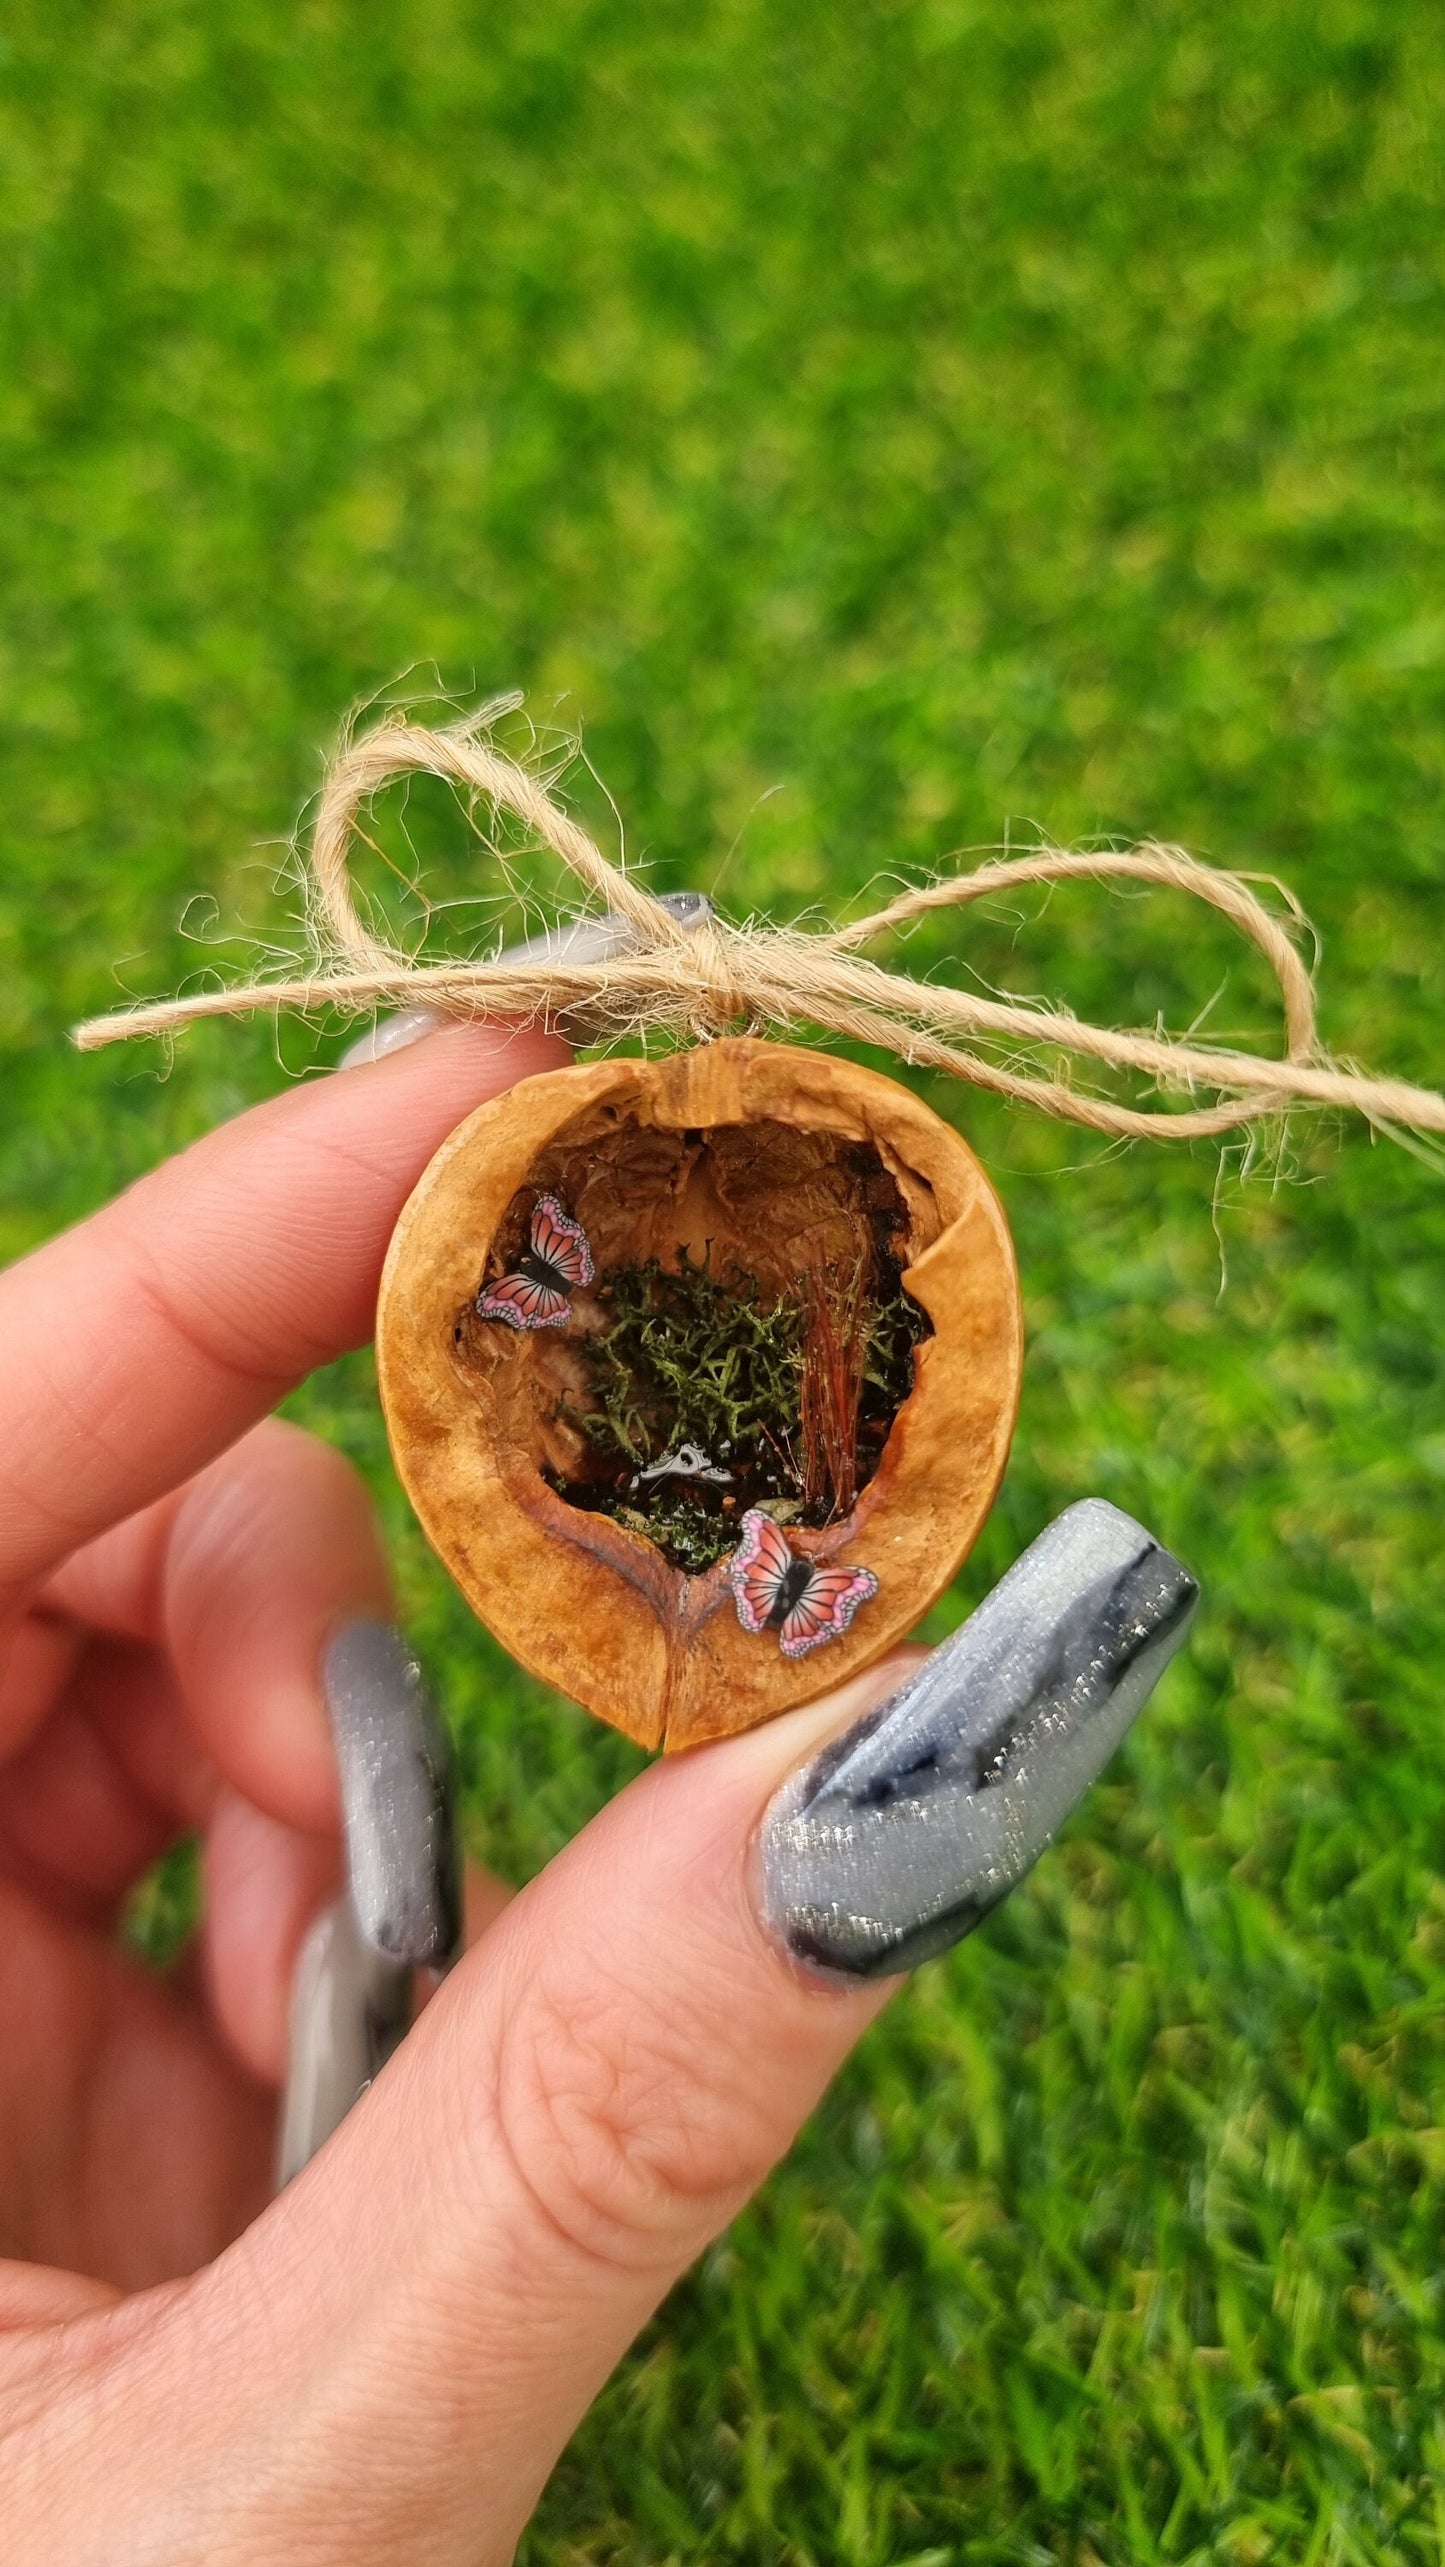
(690,984)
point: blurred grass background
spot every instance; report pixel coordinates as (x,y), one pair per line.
(885,429)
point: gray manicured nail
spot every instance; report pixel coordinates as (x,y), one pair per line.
(592,940)
(397,1796)
(392,1034)
(349,2010)
(576,940)
(898,1838)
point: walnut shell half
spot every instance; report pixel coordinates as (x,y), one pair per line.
(755,1148)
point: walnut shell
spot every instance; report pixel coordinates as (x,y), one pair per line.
(748,1145)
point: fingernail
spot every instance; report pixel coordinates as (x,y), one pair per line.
(592,940)
(897,1839)
(397,1796)
(392,1034)
(349,2010)
(572,940)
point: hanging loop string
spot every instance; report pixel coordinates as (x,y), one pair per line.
(1172,867)
(691,984)
(399,748)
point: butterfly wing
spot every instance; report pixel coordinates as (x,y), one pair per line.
(561,1243)
(521,1302)
(757,1569)
(825,1608)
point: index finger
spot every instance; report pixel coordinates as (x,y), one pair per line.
(137,1346)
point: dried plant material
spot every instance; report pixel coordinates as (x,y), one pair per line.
(655,974)
(688,1365)
(709,1188)
(709,1393)
(835,1352)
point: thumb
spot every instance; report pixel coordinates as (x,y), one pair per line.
(584,2104)
(396,2352)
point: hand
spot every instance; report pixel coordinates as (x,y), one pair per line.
(382,2364)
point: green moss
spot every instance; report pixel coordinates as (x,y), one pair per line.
(696,1358)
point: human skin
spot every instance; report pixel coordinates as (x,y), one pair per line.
(382,2364)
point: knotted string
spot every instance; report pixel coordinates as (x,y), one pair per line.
(693,983)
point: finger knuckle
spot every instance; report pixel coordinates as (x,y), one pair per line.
(630,2135)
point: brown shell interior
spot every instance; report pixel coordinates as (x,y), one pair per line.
(765,1198)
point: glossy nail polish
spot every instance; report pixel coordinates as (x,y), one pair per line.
(349,2010)
(393,1034)
(899,1837)
(397,1796)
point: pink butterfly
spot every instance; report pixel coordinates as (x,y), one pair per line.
(555,1261)
(778,1591)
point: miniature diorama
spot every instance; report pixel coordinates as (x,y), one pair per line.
(701,1371)
(701,1375)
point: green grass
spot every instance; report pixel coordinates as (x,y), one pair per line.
(940,417)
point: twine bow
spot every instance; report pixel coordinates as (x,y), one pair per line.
(694,982)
